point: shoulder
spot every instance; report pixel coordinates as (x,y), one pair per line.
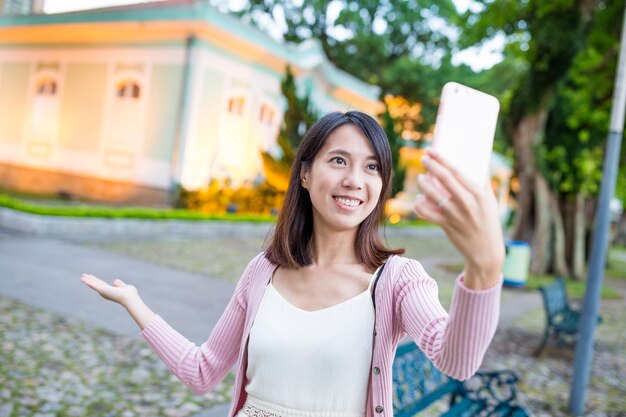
(405,272)
(257,270)
(259,266)
(401,266)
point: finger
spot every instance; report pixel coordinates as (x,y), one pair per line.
(95,283)
(445,177)
(434,194)
(118,283)
(426,210)
(461,178)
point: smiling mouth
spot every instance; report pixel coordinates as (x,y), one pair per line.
(349,202)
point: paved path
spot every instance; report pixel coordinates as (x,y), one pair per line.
(45,272)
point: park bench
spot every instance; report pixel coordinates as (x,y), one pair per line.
(417,384)
(562,320)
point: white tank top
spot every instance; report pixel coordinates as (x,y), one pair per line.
(309,363)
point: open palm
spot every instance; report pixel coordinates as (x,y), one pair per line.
(119,292)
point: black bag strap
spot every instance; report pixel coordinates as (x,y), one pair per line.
(380,271)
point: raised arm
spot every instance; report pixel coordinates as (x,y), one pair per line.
(469,216)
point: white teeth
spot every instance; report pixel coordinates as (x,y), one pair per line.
(346,202)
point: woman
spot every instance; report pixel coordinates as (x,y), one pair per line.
(315,319)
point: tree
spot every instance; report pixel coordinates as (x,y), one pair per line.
(299,116)
(571,154)
(552,38)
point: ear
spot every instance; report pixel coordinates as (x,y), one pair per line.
(303,177)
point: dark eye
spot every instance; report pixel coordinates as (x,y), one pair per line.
(373,167)
(339,160)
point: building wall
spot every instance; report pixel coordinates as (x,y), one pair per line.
(80,131)
(86,132)
(225,142)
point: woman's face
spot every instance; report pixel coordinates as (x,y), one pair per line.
(344,181)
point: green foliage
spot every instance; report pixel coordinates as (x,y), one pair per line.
(389,43)
(395,142)
(125,212)
(572,150)
(546,35)
(297,119)
(299,116)
(373,34)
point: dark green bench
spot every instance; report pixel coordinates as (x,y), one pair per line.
(417,384)
(562,320)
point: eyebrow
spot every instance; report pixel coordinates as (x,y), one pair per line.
(348,154)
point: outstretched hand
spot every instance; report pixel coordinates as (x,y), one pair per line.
(467,213)
(119,292)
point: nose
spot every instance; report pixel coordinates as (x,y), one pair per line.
(353,179)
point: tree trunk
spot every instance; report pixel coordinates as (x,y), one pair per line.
(580,228)
(524,135)
(568,208)
(559,262)
(589,217)
(542,236)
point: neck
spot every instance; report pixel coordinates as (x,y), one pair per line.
(331,248)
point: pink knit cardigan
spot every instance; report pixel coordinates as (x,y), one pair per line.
(406,303)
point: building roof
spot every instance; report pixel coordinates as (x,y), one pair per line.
(160,22)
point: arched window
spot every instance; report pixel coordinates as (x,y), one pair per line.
(266,115)
(236,105)
(46,87)
(128,89)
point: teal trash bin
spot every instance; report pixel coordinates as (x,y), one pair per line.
(516,263)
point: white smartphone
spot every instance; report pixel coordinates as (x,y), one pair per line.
(464,130)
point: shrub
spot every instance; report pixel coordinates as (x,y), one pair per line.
(220,197)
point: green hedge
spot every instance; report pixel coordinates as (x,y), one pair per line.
(126,212)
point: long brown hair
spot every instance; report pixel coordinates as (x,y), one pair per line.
(289,244)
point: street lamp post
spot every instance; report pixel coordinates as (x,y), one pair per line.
(597,263)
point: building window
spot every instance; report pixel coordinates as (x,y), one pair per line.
(128,89)
(266,116)
(44,115)
(236,105)
(124,129)
(46,87)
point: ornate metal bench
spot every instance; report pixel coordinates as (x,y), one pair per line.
(561,319)
(418,384)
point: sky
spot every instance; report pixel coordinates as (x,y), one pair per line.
(478,57)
